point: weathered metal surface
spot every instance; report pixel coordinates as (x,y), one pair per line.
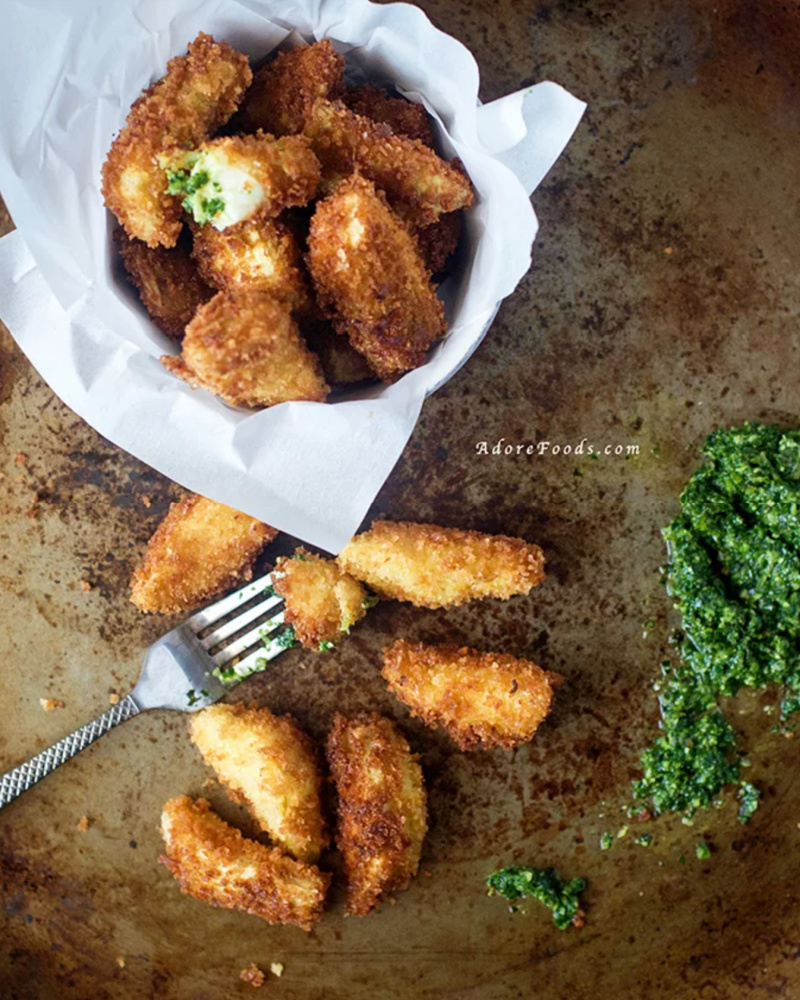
(663,301)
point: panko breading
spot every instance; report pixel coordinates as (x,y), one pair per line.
(167,280)
(267,762)
(259,256)
(434,567)
(322,602)
(419,185)
(200,549)
(245,348)
(439,240)
(199,93)
(284,90)
(403,117)
(369,274)
(214,863)
(341,362)
(382,808)
(483,700)
(226,181)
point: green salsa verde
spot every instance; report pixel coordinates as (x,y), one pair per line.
(561,895)
(733,572)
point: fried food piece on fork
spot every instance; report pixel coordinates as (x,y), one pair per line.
(382,808)
(261,255)
(435,567)
(419,185)
(167,280)
(369,275)
(200,549)
(229,180)
(267,762)
(214,863)
(284,90)
(322,602)
(483,700)
(245,347)
(199,93)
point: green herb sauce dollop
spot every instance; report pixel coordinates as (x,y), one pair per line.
(561,895)
(733,572)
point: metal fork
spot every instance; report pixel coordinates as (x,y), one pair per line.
(187,669)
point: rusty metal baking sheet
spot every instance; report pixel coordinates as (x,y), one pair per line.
(663,302)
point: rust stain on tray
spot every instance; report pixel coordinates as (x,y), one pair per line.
(663,301)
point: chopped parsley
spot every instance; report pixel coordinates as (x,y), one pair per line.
(748,797)
(285,640)
(209,206)
(561,895)
(370,601)
(269,591)
(645,840)
(325,646)
(606,841)
(703,851)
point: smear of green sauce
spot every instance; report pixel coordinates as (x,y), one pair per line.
(561,895)
(734,574)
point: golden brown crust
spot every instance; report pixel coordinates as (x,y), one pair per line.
(267,762)
(419,185)
(199,93)
(382,808)
(322,602)
(435,567)
(369,275)
(483,700)
(245,347)
(403,117)
(200,549)
(284,89)
(214,863)
(261,255)
(439,240)
(169,286)
(341,362)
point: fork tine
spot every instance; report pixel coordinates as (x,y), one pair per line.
(240,645)
(238,623)
(250,663)
(202,619)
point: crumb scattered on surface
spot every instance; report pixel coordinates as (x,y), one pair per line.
(253,975)
(276,968)
(82,824)
(85,586)
(20,458)
(51,704)
(147,501)
(209,782)
(113,698)
(121,961)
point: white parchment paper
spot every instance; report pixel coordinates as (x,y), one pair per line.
(71,70)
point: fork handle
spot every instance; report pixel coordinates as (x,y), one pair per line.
(13,783)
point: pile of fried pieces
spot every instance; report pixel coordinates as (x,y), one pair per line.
(482,699)
(283,227)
